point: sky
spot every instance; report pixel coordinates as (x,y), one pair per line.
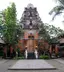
(43,8)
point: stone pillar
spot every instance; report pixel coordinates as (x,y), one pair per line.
(4,52)
(11,52)
(50,50)
(56,49)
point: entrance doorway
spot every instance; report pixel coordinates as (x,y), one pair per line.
(30,44)
(30,47)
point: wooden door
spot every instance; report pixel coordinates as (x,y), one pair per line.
(30,44)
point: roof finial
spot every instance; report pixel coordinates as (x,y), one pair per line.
(30,5)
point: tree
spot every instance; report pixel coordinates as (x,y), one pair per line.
(61,2)
(1,24)
(58,9)
(43,33)
(50,32)
(53,32)
(12,31)
(10,21)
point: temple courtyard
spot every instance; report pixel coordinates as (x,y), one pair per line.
(53,65)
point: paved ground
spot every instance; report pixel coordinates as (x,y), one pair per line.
(58,63)
(31,65)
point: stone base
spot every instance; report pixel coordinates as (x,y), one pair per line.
(32,64)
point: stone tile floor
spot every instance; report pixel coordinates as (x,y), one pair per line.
(7,63)
(32,64)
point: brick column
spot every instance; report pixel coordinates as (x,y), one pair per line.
(50,50)
(56,49)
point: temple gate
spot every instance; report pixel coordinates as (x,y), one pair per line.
(31,22)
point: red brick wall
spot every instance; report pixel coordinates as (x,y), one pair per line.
(36,35)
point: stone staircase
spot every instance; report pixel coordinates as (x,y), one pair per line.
(31,55)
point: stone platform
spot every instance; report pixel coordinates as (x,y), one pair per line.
(31,64)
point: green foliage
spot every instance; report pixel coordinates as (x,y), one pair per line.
(18,50)
(20,57)
(1,18)
(12,31)
(10,22)
(43,33)
(50,33)
(60,2)
(1,53)
(43,57)
(53,31)
(58,9)
(10,15)
(1,24)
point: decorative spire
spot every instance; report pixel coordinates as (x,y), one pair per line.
(30,18)
(30,5)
